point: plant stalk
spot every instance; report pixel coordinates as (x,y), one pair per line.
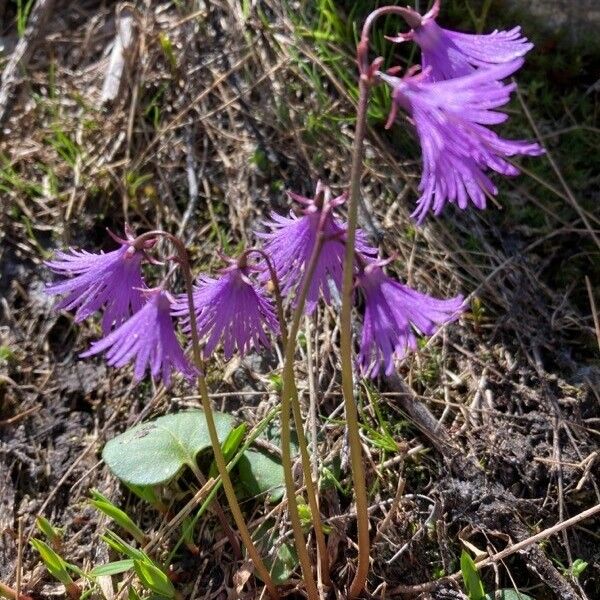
(214,438)
(218,511)
(287,398)
(8,592)
(358,472)
(311,490)
(210,421)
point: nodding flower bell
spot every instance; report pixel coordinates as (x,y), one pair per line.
(232,308)
(451,119)
(393,313)
(291,241)
(149,338)
(112,281)
(449,54)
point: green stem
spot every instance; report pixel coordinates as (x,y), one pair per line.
(250,439)
(216,508)
(230,492)
(358,472)
(311,491)
(208,413)
(214,438)
(8,592)
(288,393)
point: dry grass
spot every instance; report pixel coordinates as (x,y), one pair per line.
(218,114)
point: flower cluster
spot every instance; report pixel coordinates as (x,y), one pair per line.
(136,319)
(451,103)
(234,309)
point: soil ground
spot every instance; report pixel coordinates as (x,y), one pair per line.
(495,421)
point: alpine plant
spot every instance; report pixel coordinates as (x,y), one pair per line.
(291,240)
(148,340)
(232,309)
(453,103)
(451,119)
(112,282)
(448,54)
(394,315)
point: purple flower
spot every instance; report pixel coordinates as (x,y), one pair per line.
(231,309)
(392,314)
(450,119)
(291,241)
(449,54)
(149,338)
(112,280)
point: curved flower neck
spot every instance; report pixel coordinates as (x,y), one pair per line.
(321,203)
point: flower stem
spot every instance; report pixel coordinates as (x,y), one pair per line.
(358,472)
(214,438)
(218,511)
(230,492)
(287,399)
(8,592)
(311,490)
(311,487)
(208,413)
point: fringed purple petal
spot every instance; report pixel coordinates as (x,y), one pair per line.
(148,339)
(449,54)
(230,310)
(393,315)
(457,148)
(290,245)
(112,281)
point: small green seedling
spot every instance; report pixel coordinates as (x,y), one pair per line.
(57,567)
(470,575)
(53,534)
(120,517)
(154,579)
(112,568)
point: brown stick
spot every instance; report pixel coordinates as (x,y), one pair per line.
(522,545)
(8,592)
(19,59)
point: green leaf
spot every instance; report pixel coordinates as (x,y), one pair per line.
(146,493)
(52,533)
(471,577)
(119,516)
(6,354)
(285,562)
(578,567)
(230,446)
(261,474)
(284,565)
(168,51)
(155,452)
(508,594)
(154,579)
(56,566)
(122,547)
(112,568)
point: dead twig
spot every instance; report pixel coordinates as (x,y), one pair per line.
(8,592)
(518,547)
(22,53)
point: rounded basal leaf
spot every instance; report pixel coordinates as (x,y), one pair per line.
(155,452)
(261,474)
